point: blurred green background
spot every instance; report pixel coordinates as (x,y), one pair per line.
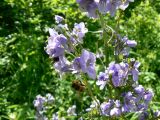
(25,68)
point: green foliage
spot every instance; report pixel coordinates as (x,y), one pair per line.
(26,70)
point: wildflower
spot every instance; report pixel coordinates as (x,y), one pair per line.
(102,6)
(79,31)
(39,102)
(72,111)
(134,70)
(102,79)
(129,102)
(89,6)
(77,64)
(139,89)
(117,103)
(125,4)
(129,43)
(125,46)
(58,18)
(56,44)
(54,51)
(63,65)
(52,33)
(148,96)
(125,51)
(115,112)
(63,26)
(106,106)
(111,6)
(119,73)
(143,116)
(87,62)
(49,98)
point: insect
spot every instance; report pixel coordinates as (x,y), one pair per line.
(78,85)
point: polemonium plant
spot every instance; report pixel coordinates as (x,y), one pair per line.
(119,76)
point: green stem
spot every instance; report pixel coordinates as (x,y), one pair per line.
(117,47)
(104,38)
(92,96)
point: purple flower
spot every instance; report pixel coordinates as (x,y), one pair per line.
(115,112)
(63,65)
(129,102)
(134,70)
(142,106)
(77,64)
(139,89)
(125,51)
(61,39)
(52,33)
(102,6)
(106,107)
(119,73)
(102,79)
(56,44)
(79,31)
(129,43)
(63,26)
(148,96)
(143,116)
(112,6)
(54,51)
(58,18)
(87,62)
(111,108)
(89,6)
(49,98)
(72,111)
(39,102)
(124,46)
(117,103)
(125,4)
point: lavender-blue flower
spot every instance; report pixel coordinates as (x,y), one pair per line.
(87,62)
(58,18)
(89,6)
(103,78)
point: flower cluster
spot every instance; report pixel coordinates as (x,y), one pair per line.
(123,45)
(86,63)
(59,44)
(118,74)
(135,101)
(103,6)
(40,103)
(119,77)
(124,75)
